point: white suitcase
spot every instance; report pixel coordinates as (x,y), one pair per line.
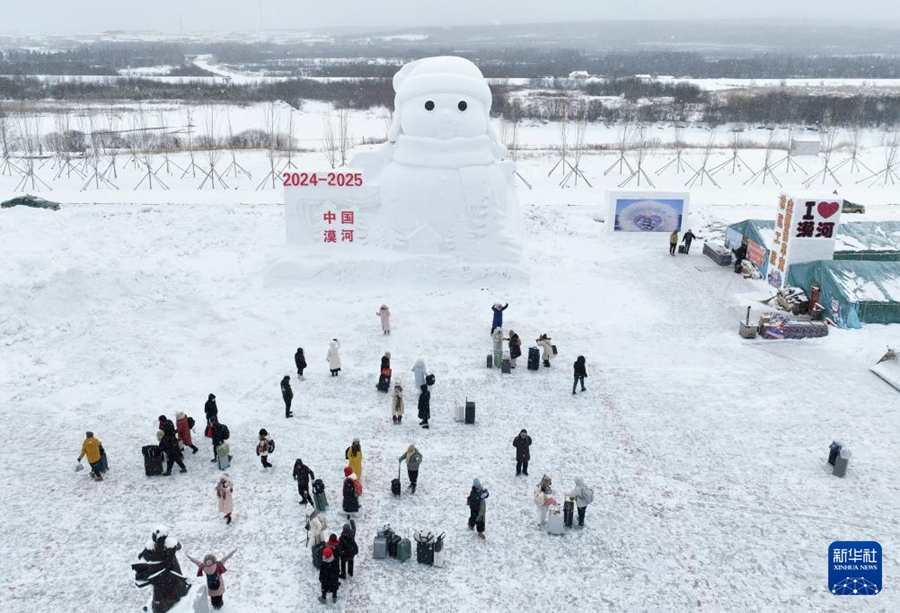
(459,413)
(555,523)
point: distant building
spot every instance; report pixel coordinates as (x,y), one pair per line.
(579,74)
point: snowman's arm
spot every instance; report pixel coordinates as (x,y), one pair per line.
(372,163)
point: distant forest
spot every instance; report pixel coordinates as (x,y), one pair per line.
(549,95)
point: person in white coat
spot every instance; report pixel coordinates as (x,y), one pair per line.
(545,343)
(385,314)
(334,358)
(419,371)
(317,525)
(582,495)
(543,499)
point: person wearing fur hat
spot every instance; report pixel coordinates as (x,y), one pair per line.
(424,406)
(264,447)
(581,497)
(287,394)
(213,569)
(580,372)
(334,358)
(544,341)
(413,460)
(329,572)
(315,525)
(224,494)
(303,475)
(300,362)
(543,499)
(349,548)
(522,443)
(183,428)
(354,456)
(477,502)
(497,321)
(385,314)
(350,493)
(397,404)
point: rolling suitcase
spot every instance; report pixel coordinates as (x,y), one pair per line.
(395,483)
(568,513)
(505,367)
(404,550)
(470,412)
(393,545)
(320,500)
(380,548)
(439,551)
(490,361)
(459,413)
(498,358)
(317,554)
(681,249)
(424,548)
(553,347)
(534,358)
(153,460)
(555,524)
(384,380)
(223,456)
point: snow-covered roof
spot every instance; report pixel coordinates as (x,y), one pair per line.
(865,281)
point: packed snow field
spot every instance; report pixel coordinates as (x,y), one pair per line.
(706,452)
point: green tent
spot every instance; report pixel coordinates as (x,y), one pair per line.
(855,240)
(853,292)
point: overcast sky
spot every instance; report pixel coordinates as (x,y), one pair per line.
(86,16)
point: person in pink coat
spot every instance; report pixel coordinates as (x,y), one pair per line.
(385,313)
(183,428)
(224,493)
(213,569)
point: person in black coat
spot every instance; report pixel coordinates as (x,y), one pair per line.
(348,490)
(515,348)
(303,474)
(739,255)
(580,373)
(349,549)
(169,445)
(288,394)
(300,361)
(211,409)
(329,575)
(218,437)
(522,443)
(424,406)
(477,502)
(687,239)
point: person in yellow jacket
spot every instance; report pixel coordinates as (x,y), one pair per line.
(354,457)
(673,241)
(93,449)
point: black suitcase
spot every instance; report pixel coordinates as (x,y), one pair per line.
(153,460)
(393,545)
(317,554)
(681,249)
(568,513)
(490,361)
(555,352)
(505,367)
(395,484)
(429,380)
(470,412)
(534,358)
(425,552)
(383,383)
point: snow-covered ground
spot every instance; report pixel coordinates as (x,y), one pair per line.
(707,453)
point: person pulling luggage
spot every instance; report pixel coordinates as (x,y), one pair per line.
(547,346)
(582,495)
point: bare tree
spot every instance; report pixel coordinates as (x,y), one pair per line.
(827,149)
(94,159)
(145,149)
(270,123)
(344,143)
(642,146)
(193,168)
(509,135)
(891,162)
(234,167)
(211,123)
(165,146)
(329,139)
(7,167)
(29,135)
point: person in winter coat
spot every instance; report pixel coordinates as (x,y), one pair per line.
(497,338)
(384,373)
(424,406)
(477,502)
(169,445)
(335,545)
(397,404)
(215,583)
(287,394)
(349,493)
(300,362)
(515,348)
(580,370)
(687,239)
(93,449)
(219,436)
(354,456)
(303,475)
(673,242)
(165,424)
(420,373)
(547,354)
(522,443)
(263,446)
(183,428)
(497,321)
(329,572)
(386,361)
(349,549)
(543,499)
(385,314)
(211,409)
(316,525)
(413,460)
(578,496)
(224,494)
(334,358)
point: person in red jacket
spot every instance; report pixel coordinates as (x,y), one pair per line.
(183,428)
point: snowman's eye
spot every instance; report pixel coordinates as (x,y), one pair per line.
(429,106)
(462,106)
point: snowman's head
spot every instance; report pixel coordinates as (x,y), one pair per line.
(441,97)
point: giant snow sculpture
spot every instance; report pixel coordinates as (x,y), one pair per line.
(437,200)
